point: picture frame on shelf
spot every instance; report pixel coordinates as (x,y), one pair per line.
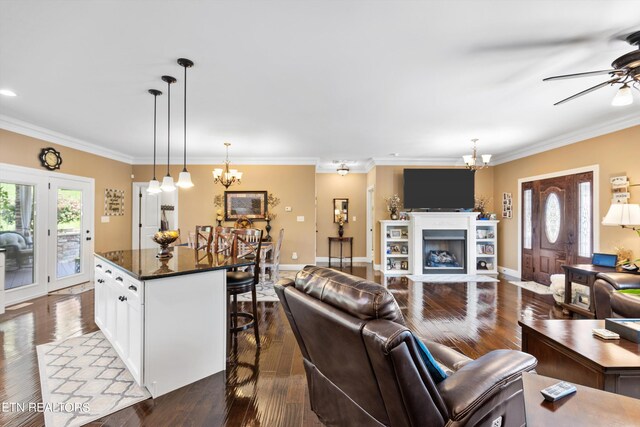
(396,233)
(404,250)
(488,249)
(404,265)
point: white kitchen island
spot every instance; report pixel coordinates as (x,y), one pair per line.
(165,318)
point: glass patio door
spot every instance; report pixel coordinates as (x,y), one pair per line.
(70,233)
(23,234)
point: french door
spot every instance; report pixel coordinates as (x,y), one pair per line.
(557,225)
(46,229)
(70,233)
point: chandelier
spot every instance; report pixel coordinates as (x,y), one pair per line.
(226,176)
(471,160)
(342,170)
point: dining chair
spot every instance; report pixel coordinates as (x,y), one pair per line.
(204,237)
(272,262)
(246,246)
(223,240)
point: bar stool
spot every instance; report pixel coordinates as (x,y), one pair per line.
(246,246)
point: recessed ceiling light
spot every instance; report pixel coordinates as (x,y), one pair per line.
(395,154)
(7,92)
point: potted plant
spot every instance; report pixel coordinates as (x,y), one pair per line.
(393,206)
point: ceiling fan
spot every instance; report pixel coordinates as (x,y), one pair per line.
(625,72)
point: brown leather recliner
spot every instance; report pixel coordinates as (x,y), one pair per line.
(606,284)
(364,368)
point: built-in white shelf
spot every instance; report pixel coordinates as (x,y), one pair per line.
(394,234)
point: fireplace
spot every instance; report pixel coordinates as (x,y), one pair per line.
(444,251)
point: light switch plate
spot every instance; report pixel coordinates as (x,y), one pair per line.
(287,209)
(300,219)
(104,218)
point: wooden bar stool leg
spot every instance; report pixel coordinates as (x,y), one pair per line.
(229,314)
(254,302)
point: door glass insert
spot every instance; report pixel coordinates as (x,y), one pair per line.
(17,235)
(584,220)
(552,218)
(69,244)
(528,229)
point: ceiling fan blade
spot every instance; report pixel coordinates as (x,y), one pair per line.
(591,89)
(576,75)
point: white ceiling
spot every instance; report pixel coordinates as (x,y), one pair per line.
(298,81)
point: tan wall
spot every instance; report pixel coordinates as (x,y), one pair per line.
(331,186)
(294,185)
(23,150)
(616,153)
(389,181)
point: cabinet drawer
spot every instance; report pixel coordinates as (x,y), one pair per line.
(134,289)
(99,264)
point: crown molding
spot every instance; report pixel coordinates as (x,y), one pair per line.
(412,161)
(568,139)
(29,129)
(218,160)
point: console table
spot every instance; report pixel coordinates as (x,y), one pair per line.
(583,274)
(341,241)
(566,349)
(586,407)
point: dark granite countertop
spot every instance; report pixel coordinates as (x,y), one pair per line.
(142,264)
(2,249)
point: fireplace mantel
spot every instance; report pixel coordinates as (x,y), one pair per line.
(441,221)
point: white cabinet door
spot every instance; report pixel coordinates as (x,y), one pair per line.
(134,358)
(100,305)
(121,338)
(110,300)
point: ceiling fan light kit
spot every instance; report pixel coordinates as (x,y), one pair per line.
(625,71)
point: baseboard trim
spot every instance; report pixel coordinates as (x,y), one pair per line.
(335,259)
(377,267)
(292,267)
(509,272)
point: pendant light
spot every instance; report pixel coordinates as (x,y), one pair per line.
(154,185)
(184,179)
(167,182)
(471,161)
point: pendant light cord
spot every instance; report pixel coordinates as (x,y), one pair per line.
(155,107)
(168,126)
(184,167)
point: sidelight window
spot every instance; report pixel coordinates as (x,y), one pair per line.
(528,229)
(584,219)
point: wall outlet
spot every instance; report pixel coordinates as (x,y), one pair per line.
(354,218)
(300,219)
(294,255)
(287,209)
(104,218)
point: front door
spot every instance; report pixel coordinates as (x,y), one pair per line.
(557,225)
(70,232)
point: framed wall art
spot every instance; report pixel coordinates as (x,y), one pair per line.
(113,202)
(249,204)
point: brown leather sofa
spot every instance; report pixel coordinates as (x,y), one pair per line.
(625,305)
(606,284)
(364,368)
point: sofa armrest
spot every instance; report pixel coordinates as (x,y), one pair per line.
(467,389)
(446,356)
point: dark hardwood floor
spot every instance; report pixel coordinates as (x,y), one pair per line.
(268,387)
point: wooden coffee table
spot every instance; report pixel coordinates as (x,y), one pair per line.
(586,407)
(566,349)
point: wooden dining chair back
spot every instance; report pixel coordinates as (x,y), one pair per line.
(223,241)
(246,247)
(204,237)
(273,262)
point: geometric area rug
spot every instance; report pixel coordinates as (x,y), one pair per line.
(83,379)
(265,291)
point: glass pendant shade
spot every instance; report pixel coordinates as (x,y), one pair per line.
(623,97)
(184,180)
(486,158)
(154,187)
(469,160)
(167,184)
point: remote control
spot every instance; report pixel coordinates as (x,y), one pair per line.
(558,391)
(606,334)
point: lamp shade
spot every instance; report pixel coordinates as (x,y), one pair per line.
(184,180)
(623,97)
(154,187)
(622,214)
(167,184)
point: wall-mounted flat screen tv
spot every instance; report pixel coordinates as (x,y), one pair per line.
(447,189)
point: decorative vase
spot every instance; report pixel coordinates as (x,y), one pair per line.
(164,239)
(340,230)
(268,228)
(394,214)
